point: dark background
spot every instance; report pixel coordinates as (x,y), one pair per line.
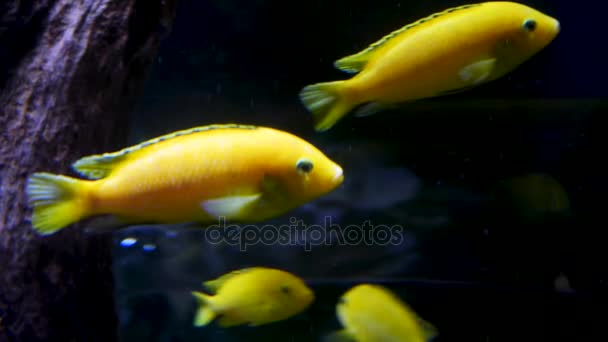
(434,167)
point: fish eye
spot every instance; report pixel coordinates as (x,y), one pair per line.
(529,25)
(341,301)
(285,289)
(304,165)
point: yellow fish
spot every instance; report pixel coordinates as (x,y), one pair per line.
(445,53)
(372,313)
(253,296)
(534,196)
(241,173)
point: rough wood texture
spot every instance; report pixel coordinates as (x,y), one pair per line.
(70,71)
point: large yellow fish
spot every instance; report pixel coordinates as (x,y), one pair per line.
(241,173)
(372,313)
(445,53)
(253,296)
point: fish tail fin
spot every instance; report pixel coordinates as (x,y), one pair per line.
(327,103)
(204,313)
(57,201)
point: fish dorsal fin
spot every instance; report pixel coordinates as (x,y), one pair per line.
(215,284)
(101,165)
(356,62)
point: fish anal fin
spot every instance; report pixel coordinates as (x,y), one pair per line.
(372,108)
(231,318)
(105,224)
(477,72)
(338,336)
(428,329)
(229,207)
(227,322)
(457,90)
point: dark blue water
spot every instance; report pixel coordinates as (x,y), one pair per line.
(468,261)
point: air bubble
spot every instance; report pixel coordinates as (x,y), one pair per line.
(128,242)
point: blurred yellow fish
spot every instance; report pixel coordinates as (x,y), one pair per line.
(241,173)
(445,53)
(371,313)
(534,196)
(253,296)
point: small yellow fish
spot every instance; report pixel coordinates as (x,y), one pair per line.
(241,173)
(372,313)
(534,196)
(445,53)
(253,296)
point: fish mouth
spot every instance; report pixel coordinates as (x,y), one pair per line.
(310,297)
(557,26)
(338,176)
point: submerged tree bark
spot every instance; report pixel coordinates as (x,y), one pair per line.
(70,72)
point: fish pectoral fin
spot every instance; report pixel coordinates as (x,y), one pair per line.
(371,108)
(477,72)
(232,320)
(229,207)
(338,336)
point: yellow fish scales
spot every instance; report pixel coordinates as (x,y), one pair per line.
(238,172)
(445,53)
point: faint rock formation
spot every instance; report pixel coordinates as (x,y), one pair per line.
(70,72)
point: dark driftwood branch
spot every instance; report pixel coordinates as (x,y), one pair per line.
(70,72)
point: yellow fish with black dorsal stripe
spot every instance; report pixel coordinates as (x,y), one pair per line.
(238,172)
(445,53)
